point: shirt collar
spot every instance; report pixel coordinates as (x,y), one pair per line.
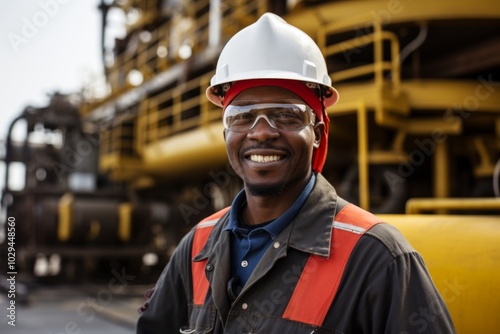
(276,226)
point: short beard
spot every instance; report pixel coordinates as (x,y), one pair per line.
(265,189)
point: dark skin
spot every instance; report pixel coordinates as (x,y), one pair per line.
(271,186)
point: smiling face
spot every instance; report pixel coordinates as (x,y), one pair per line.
(270,161)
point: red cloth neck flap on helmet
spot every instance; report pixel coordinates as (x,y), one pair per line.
(306,94)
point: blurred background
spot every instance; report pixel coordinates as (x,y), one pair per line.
(60,53)
(111,152)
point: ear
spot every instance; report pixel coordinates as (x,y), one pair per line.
(319,128)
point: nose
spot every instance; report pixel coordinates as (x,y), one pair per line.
(264,117)
(263,131)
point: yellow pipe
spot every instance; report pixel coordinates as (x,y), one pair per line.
(441,170)
(65,216)
(462,254)
(419,205)
(350,15)
(172,157)
(430,124)
(125,221)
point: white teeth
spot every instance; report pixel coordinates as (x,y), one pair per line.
(264,158)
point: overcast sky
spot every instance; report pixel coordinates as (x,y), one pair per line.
(45,46)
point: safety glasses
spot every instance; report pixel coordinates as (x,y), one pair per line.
(243,117)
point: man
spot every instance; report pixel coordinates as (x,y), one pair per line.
(289,255)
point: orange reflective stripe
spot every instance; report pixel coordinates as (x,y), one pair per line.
(200,282)
(201,234)
(320,278)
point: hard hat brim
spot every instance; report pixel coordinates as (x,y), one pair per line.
(329,100)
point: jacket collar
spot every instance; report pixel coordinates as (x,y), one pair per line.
(311,230)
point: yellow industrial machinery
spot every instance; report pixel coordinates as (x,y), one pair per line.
(415,135)
(462,254)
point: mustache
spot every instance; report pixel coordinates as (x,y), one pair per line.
(265,146)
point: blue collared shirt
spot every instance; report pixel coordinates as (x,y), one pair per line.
(249,243)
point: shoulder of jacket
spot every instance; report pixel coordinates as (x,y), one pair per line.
(199,233)
(211,220)
(373,227)
(391,238)
(350,215)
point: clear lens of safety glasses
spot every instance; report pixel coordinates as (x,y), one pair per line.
(282,116)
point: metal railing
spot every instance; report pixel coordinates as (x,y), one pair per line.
(119,139)
(383,70)
(176,110)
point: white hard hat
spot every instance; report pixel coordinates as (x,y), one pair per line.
(271,49)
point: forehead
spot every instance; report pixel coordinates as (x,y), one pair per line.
(266,94)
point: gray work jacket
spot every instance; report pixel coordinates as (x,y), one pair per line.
(385,287)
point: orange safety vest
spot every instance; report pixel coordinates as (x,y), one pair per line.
(320,278)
